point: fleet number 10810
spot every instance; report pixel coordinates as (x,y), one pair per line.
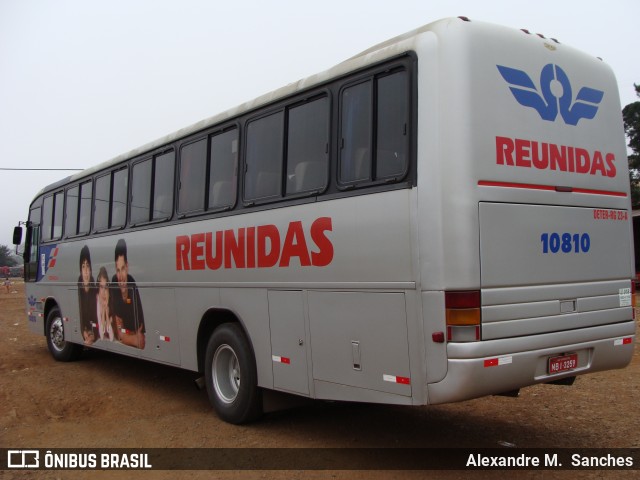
(565,242)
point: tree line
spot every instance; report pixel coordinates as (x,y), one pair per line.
(631,118)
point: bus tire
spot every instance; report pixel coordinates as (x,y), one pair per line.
(60,349)
(231,376)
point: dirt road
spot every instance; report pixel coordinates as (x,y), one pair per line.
(105,401)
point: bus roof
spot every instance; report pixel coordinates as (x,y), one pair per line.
(377,53)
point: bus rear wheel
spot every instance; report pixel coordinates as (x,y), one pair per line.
(231,377)
(60,349)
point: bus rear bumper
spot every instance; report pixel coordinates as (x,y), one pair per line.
(497,366)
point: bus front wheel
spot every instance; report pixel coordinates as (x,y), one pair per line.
(231,377)
(60,349)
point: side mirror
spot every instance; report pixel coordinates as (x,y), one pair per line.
(17,235)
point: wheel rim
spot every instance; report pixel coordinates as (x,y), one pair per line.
(56,334)
(226,374)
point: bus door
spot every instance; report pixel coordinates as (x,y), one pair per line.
(359,339)
(288,341)
(158,305)
(31,243)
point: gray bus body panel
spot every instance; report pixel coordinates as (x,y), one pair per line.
(497,193)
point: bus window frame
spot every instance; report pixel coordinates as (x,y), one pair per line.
(261,115)
(207,135)
(52,194)
(372,76)
(153,158)
(307,99)
(132,166)
(78,185)
(77,210)
(185,143)
(110,172)
(221,131)
(284,106)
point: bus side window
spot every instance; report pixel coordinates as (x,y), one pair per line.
(78,210)
(193,177)
(162,199)
(119,198)
(84,217)
(71,217)
(147,203)
(58,215)
(110,207)
(391,129)
(141,191)
(52,213)
(355,154)
(101,208)
(263,178)
(223,170)
(307,152)
(374,135)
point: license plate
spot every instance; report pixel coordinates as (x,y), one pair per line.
(563,363)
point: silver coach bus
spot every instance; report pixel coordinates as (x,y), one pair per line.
(442,217)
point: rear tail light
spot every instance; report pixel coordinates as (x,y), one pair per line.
(463,316)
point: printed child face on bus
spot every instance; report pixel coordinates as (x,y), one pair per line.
(86,273)
(85,268)
(122,272)
(103,291)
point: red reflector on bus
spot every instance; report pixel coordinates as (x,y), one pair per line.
(494,362)
(438,337)
(396,379)
(279,359)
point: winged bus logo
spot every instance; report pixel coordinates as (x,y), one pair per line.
(545,101)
